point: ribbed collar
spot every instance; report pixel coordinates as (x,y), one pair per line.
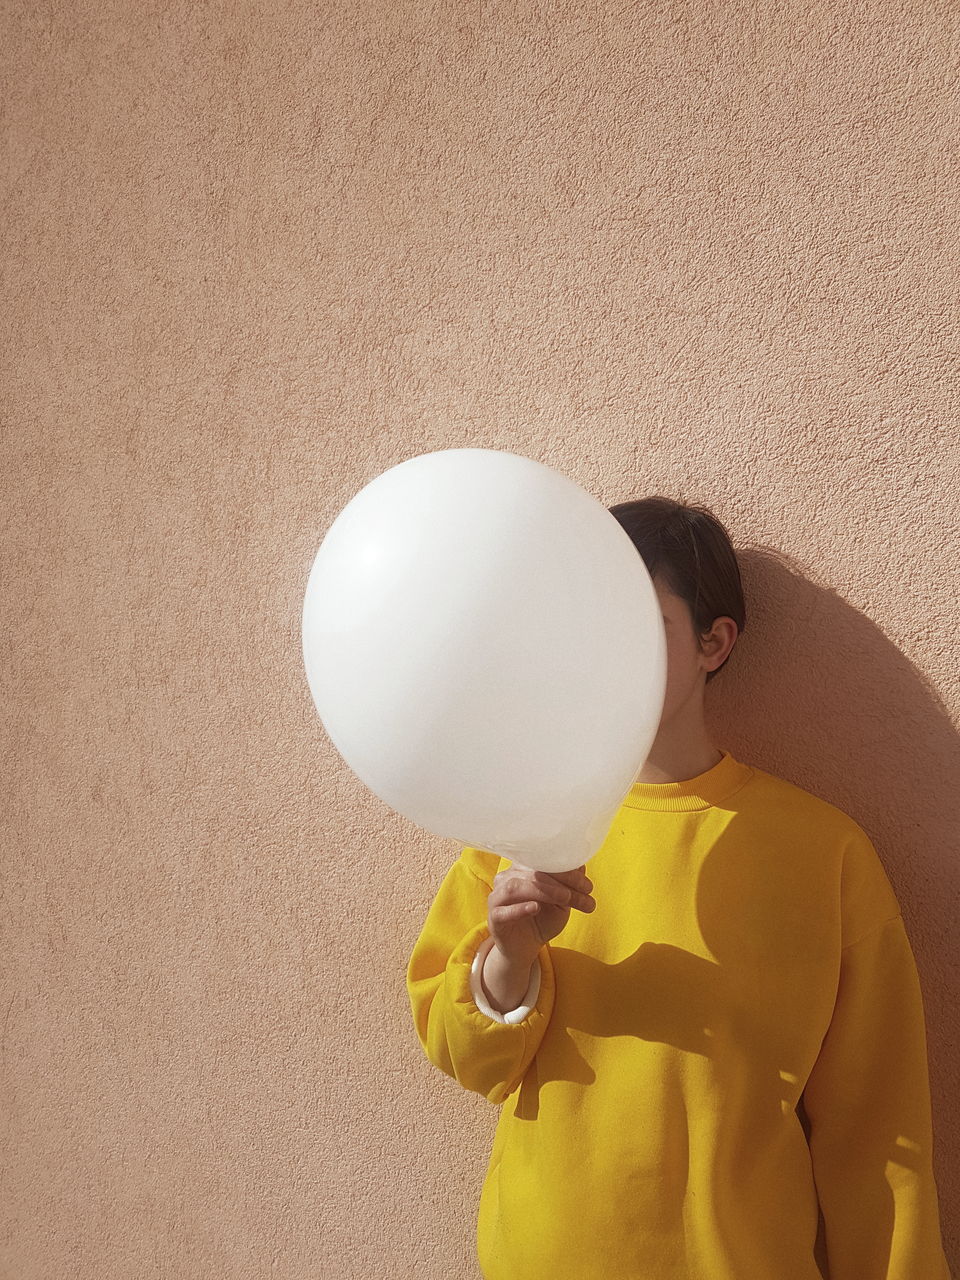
(706,789)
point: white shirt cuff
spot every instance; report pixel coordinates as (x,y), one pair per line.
(480,1000)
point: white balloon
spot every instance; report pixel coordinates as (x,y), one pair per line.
(485,649)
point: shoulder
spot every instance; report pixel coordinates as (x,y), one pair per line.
(865,894)
(787,798)
(480,864)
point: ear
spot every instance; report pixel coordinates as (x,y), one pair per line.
(716,644)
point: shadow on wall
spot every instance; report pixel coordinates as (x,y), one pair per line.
(815,693)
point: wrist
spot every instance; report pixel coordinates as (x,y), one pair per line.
(505,979)
(511,963)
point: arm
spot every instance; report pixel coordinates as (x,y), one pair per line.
(499,991)
(868,1102)
(487,1052)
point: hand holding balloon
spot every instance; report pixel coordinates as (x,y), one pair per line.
(525,909)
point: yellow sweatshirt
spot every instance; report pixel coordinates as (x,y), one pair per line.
(746,948)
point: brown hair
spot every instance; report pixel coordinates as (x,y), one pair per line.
(691,551)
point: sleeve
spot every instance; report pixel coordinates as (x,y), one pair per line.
(488,1053)
(867,1099)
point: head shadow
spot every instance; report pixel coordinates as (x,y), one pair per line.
(817,694)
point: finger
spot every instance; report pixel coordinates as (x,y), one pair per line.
(513,911)
(518,889)
(519,868)
(579,886)
(583,902)
(575,879)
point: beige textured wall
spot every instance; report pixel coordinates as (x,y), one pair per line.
(252,257)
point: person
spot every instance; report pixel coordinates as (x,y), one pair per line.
(709,1040)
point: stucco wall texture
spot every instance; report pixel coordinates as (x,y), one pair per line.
(253,257)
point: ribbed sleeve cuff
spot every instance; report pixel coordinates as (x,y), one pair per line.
(529,998)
